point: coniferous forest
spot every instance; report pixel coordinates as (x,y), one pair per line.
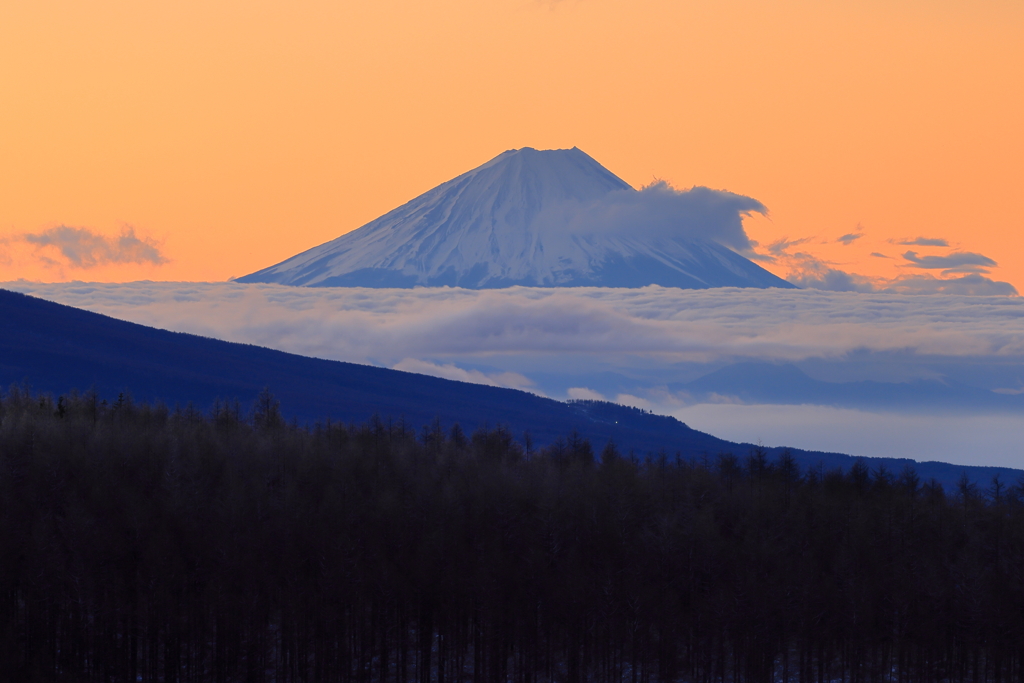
(142,543)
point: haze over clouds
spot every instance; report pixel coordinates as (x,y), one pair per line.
(966,439)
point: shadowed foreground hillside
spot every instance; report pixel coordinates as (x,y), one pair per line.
(143,544)
(54,348)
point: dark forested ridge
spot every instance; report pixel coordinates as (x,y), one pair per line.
(140,543)
(56,348)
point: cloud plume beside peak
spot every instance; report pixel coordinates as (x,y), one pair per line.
(85,248)
(659,210)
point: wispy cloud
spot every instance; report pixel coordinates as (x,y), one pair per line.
(849,238)
(85,248)
(779,247)
(509,380)
(810,272)
(924,242)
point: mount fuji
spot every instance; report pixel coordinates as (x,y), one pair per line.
(541,218)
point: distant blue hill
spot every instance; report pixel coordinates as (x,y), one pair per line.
(785,383)
(55,348)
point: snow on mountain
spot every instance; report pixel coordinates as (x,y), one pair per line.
(551,218)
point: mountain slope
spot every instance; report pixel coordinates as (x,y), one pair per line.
(511,222)
(55,348)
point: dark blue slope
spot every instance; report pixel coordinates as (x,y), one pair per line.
(55,348)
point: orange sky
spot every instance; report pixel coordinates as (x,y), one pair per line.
(235,134)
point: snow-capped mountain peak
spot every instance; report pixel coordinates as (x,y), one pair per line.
(539,218)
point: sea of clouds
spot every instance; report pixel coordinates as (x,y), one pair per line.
(633,346)
(386,325)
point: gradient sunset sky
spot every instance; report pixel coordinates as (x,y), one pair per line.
(205,140)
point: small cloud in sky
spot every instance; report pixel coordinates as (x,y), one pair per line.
(924,242)
(85,248)
(878,255)
(584,394)
(960,262)
(849,238)
(781,246)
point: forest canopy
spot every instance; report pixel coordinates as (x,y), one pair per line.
(146,543)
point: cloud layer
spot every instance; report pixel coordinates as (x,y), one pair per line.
(386,326)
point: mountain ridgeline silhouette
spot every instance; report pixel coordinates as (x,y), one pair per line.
(541,218)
